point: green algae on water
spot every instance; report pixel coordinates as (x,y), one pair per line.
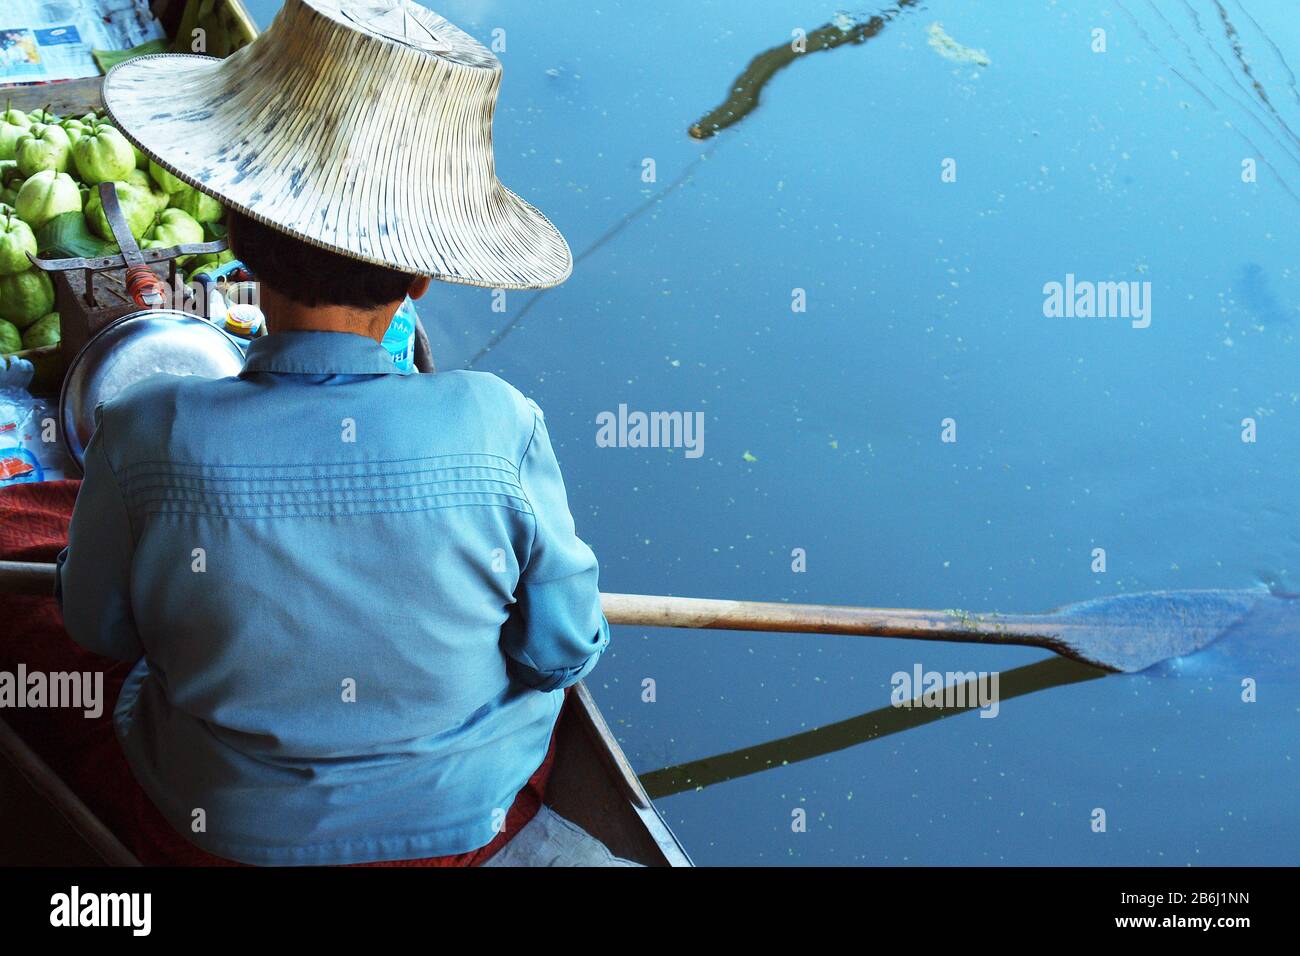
(950,49)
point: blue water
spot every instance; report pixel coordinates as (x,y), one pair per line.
(924,302)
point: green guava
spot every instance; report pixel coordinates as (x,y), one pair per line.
(138,177)
(176,228)
(43,116)
(9,135)
(13,123)
(75,129)
(141,160)
(16,241)
(11,340)
(103,155)
(25,297)
(44,331)
(137,208)
(193,265)
(46,195)
(44,146)
(165,179)
(199,205)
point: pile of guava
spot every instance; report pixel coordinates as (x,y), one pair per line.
(51,166)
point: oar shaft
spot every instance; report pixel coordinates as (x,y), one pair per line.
(24,577)
(657,611)
(652,610)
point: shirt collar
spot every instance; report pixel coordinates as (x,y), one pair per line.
(318,353)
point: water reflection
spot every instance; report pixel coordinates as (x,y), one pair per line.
(1229,80)
(744,95)
(697,774)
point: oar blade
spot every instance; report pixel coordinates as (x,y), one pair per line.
(1131,632)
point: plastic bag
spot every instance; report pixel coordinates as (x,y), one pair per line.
(29,439)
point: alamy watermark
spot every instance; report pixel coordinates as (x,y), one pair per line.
(82,690)
(76,908)
(1083,299)
(633,429)
(962,690)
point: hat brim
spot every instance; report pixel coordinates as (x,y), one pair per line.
(178,110)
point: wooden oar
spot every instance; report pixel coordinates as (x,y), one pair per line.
(1123,632)
(23,577)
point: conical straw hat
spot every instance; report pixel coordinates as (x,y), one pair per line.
(361,127)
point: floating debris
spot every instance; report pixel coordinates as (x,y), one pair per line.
(950,49)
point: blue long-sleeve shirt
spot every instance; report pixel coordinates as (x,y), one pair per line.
(354,597)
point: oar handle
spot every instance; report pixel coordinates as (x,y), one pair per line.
(650,610)
(25,577)
(653,610)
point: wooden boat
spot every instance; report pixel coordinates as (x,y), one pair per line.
(592,783)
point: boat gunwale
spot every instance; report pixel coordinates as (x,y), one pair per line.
(580,717)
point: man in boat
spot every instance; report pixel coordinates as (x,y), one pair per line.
(354,596)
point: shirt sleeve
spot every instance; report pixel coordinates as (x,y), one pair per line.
(93,586)
(556,631)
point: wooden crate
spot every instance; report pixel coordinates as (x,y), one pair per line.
(80,317)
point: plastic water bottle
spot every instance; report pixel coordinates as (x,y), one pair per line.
(399,340)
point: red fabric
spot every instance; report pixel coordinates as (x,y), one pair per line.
(84,751)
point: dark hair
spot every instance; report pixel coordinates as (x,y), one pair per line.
(310,275)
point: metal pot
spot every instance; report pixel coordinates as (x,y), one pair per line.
(132,349)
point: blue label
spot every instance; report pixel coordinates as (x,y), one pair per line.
(399,340)
(58,36)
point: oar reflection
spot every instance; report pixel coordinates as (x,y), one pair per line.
(697,774)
